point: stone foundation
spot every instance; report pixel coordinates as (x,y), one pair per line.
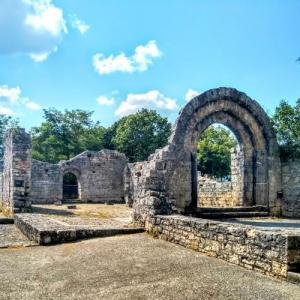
(269,252)
(47,231)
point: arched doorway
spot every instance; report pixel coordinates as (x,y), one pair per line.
(253,130)
(70,186)
(168,184)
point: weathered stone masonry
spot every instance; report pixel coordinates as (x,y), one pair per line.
(25,180)
(16,176)
(168,180)
(270,252)
(291,188)
(215,193)
(99,175)
(166,184)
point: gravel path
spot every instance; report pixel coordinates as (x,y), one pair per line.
(129,267)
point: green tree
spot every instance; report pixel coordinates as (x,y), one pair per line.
(213,151)
(65,134)
(6,122)
(139,134)
(286,121)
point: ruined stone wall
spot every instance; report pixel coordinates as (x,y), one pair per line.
(16,176)
(291,188)
(269,252)
(46,182)
(216,193)
(168,182)
(132,181)
(99,175)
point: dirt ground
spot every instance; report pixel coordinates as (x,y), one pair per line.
(129,267)
(117,215)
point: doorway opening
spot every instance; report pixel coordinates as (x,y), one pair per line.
(70,186)
(219,168)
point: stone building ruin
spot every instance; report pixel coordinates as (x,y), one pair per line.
(168,181)
(166,192)
(26,181)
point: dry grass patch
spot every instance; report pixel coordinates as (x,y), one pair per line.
(101,211)
(86,211)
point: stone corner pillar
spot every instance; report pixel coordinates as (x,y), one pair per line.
(16,171)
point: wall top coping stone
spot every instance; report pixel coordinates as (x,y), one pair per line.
(191,221)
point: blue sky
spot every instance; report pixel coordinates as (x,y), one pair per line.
(114,57)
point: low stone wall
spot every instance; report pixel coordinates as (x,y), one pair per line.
(291,188)
(214,193)
(270,252)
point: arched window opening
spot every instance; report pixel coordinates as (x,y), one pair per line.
(70,186)
(219,165)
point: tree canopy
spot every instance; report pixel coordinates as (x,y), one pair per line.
(65,134)
(286,122)
(213,151)
(139,134)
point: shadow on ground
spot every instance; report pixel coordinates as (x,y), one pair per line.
(51,211)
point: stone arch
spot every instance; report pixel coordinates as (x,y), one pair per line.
(253,129)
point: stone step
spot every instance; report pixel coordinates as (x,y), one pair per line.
(232,209)
(232,215)
(46,231)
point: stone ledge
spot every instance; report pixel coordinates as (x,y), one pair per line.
(46,231)
(269,251)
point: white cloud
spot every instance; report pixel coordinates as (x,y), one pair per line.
(80,25)
(39,57)
(190,94)
(45,17)
(151,100)
(139,61)
(33,27)
(6,111)
(9,95)
(103,100)
(30,104)
(13,96)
